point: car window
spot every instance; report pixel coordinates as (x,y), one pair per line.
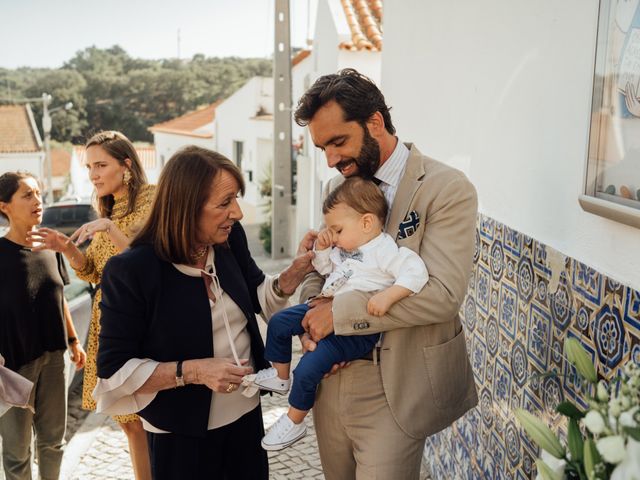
(67,214)
(50,216)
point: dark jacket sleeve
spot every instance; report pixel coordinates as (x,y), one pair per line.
(123,318)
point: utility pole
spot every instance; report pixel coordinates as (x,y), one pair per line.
(281,175)
(46,128)
(178,44)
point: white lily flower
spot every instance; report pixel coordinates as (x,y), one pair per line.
(612,449)
(626,418)
(629,468)
(556,466)
(594,422)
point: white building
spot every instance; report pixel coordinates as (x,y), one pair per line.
(347,35)
(244,133)
(20,143)
(192,128)
(80,185)
(502,90)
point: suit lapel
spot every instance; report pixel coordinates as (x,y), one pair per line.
(406,190)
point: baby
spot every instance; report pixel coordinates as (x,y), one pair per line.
(355,254)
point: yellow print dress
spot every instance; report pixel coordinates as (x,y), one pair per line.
(99,251)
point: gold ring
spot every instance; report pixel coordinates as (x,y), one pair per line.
(230,388)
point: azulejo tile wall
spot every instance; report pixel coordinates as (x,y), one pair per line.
(524,298)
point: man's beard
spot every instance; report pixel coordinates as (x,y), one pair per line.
(368,160)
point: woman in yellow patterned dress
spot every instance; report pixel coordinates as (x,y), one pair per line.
(123,201)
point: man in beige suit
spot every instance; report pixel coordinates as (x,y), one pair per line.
(372,417)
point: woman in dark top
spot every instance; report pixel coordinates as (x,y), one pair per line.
(35,330)
(179,329)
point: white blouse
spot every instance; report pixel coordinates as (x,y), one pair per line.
(117,395)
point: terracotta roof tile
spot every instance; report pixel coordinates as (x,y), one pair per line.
(17,130)
(300,56)
(364,18)
(189,123)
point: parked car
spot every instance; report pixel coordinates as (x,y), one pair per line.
(67,217)
(79,296)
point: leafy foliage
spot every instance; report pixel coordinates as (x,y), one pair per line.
(111,90)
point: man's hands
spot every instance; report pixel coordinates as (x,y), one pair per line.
(308,345)
(318,321)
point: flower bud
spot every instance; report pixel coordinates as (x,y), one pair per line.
(540,433)
(594,422)
(579,357)
(602,392)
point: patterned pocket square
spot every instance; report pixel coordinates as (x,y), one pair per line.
(409,225)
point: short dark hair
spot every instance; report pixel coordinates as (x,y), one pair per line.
(182,191)
(356,94)
(362,195)
(9,185)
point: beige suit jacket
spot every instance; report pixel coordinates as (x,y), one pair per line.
(426,373)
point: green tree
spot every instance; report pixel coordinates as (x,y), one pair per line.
(64,86)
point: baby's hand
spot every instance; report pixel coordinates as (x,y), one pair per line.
(379,304)
(324,240)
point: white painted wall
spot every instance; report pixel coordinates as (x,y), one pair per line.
(30,162)
(502,90)
(235,122)
(169,143)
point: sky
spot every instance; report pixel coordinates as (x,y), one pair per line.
(47,33)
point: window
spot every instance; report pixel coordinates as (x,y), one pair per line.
(612,175)
(237,153)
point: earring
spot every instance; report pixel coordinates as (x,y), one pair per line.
(126,178)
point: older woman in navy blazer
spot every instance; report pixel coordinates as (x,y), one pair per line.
(179,329)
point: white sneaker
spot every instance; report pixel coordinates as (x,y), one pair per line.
(267,379)
(283,433)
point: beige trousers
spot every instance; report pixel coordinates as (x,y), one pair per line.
(357,435)
(49,399)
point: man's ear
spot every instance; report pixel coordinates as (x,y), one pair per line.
(375,124)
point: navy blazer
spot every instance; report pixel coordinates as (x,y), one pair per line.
(151,310)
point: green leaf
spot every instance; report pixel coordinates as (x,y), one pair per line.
(568,409)
(546,472)
(575,441)
(591,458)
(540,433)
(579,357)
(633,432)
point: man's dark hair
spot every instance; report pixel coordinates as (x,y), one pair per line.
(355,93)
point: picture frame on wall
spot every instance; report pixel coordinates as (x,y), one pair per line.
(612,173)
